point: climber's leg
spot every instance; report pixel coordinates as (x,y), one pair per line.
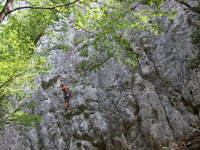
(66,104)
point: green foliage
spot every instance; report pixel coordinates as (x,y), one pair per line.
(154,3)
(20,62)
(16,116)
(195,62)
(196,37)
(25,119)
(110,24)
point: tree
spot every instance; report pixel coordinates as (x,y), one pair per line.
(20,63)
(23,22)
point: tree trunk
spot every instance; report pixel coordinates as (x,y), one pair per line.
(6,10)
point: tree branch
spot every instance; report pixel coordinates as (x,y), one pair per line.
(194,9)
(101,3)
(13,76)
(72,21)
(6,10)
(42,7)
(10,79)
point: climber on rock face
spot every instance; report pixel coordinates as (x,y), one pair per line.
(66,92)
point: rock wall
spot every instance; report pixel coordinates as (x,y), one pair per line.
(151,109)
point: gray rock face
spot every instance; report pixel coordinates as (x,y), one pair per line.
(149,110)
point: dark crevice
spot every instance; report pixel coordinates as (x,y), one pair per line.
(194,9)
(47,84)
(196,112)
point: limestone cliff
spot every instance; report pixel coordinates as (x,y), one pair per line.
(152,109)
